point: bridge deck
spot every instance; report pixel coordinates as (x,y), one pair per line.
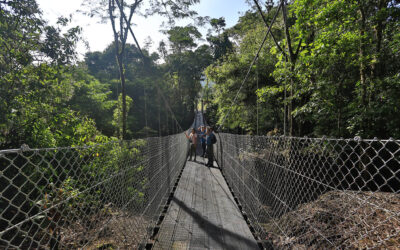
(203,214)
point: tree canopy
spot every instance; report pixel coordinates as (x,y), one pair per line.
(342,78)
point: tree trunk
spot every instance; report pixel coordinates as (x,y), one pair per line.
(119,57)
(291,100)
(145,110)
(363,75)
(375,68)
(120,51)
(122,76)
(339,99)
(292,58)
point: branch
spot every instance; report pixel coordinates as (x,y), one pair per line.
(122,33)
(129,25)
(288,40)
(166,11)
(266,25)
(298,47)
(129,19)
(110,11)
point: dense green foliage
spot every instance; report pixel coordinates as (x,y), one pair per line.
(48,99)
(342,79)
(37,80)
(331,68)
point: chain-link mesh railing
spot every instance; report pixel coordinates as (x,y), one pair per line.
(102,196)
(316,193)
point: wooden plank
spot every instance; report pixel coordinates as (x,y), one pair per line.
(236,231)
(166,233)
(226,213)
(183,228)
(204,214)
(199,235)
(216,239)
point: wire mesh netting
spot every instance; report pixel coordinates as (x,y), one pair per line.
(316,193)
(107,195)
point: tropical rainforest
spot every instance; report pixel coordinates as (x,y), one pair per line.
(326,68)
(72,149)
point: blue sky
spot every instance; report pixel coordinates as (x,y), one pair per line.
(226,8)
(100,35)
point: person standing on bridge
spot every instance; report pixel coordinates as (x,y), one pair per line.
(211,139)
(193,143)
(202,135)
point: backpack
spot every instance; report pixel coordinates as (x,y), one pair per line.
(213,139)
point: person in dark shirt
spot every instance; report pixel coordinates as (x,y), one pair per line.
(209,142)
(202,136)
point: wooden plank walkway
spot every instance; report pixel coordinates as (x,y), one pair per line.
(203,214)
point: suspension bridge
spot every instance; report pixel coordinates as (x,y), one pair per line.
(268,192)
(263,192)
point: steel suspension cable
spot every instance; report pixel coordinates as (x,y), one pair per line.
(144,58)
(170,110)
(251,65)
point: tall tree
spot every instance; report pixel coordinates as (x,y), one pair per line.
(344,69)
(185,65)
(219,42)
(121,25)
(120,37)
